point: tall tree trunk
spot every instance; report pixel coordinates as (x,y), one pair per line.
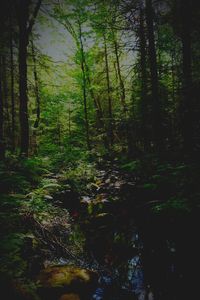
(2,146)
(121,83)
(97,104)
(110,125)
(37,93)
(187,102)
(25,28)
(157,129)
(143,56)
(143,72)
(69,123)
(12,86)
(85,68)
(84,83)
(23,109)
(7,132)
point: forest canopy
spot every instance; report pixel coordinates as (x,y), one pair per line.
(123,78)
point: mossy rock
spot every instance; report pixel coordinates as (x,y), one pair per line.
(70,296)
(56,282)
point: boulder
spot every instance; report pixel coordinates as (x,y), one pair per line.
(66,282)
(70,297)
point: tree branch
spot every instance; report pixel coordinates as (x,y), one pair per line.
(32,20)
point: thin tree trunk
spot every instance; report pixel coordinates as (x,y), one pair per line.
(173,74)
(84,83)
(117,79)
(69,122)
(2,146)
(12,87)
(7,132)
(143,72)
(157,130)
(37,93)
(23,109)
(172,116)
(110,129)
(97,105)
(187,119)
(121,83)
(143,57)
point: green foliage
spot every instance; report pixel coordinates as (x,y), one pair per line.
(131,166)
(34,168)
(17,175)
(12,262)
(80,175)
(98,84)
(173,205)
(78,238)
(13,182)
(150,186)
(12,237)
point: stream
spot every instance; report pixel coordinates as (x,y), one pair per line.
(135,259)
(117,245)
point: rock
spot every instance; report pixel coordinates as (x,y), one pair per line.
(66,282)
(70,297)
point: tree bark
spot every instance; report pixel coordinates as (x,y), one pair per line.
(121,83)
(25,28)
(23,108)
(7,132)
(110,125)
(84,83)
(143,72)
(2,146)
(157,128)
(186,110)
(37,92)
(12,86)
(97,104)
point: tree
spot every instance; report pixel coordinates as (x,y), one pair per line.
(84,83)
(187,102)
(25,27)
(143,78)
(12,84)
(2,146)
(156,117)
(36,82)
(110,115)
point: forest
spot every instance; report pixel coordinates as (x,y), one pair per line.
(99,149)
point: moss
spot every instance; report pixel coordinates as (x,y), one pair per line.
(68,282)
(60,276)
(69,297)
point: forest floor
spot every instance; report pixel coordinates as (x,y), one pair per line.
(108,220)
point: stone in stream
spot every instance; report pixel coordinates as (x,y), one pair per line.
(66,282)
